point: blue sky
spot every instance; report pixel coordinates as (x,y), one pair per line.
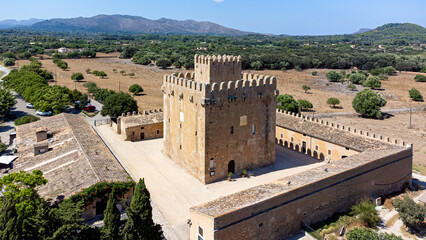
(295,17)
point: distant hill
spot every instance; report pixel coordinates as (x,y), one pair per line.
(133,24)
(12,23)
(362,30)
(396,31)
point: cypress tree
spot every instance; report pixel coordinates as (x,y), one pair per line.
(112,222)
(10,222)
(139,224)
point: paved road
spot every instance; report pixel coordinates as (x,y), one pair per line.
(99,119)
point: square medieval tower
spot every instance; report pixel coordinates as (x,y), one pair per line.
(217,121)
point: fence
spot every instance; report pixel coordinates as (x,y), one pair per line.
(100,122)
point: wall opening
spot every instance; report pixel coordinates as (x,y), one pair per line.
(253,129)
(142,135)
(231,166)
(322,156)
(232,129)
(315,155)
(211,163)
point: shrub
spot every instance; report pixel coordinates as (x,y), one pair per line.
(8,62)
(305,104)
(362,234)
(314,73)
(333,102)
(3,147)
(411,213)
(77,76)
(306,88)
(26,119)
(415,95)
(420,78)
(333,76)
(88,70)
(286,102)
(372,82)
(298,68)
(387,236)
(357,78)
(351,87)
(135,89)
(367,213)
(91,87)
(423,70)
(131,74)
(123,72)
(257,65)
(368,103)
(163,63)
(383,76)
(389,70)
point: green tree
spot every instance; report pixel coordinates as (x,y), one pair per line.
(163,63)
(62,65)
(286,102)
(368,103)
(7,101)
(306,88)
(10,221)
(77,76)
(88,70)
(119,103)
(333,102)
(101,74)
(257,65)
(415,95)
(139,224)
(387,236)
(305,104)
(8,62)
(91,87)
(21,188)
(123,72)
(314,73)
(420,78)
(131,74)
(367,213)
(389,70)
(362,234)
(334,76)
(112,223)
(135,89)
(83,101)
(411,213)
(357,78)
(372,82)
(26,119)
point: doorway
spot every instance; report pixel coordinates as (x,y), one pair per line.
(231,166)
(142,136)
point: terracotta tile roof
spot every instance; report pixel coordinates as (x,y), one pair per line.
(77,157)
(142,119)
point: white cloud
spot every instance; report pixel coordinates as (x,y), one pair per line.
(218,1)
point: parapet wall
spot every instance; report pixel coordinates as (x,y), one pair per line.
(217,69)
(352,130)
(251,87)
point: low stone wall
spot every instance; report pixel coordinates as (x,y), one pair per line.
(277,216)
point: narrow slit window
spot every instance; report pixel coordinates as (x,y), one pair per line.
(232,129)
(253,129)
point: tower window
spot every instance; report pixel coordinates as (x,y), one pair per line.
(253,129)
(211,163)
(142,127)
(158,131)
(329,152)
(195,133)
(232,129)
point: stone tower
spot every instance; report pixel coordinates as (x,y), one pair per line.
(217,121)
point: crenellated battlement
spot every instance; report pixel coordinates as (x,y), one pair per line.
(224,59)
(349,129)
(258,87)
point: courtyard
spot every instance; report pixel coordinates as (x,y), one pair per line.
(174,191)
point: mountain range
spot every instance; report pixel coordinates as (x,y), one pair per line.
(11,23)
(133,24)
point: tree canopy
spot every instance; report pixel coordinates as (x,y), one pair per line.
(286,102)
(119,103)
(368,103)
(7,101)
(77,76)
(135,89)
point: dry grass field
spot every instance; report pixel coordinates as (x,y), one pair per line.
(394,90)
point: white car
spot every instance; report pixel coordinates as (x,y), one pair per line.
(40,113)
(29,105)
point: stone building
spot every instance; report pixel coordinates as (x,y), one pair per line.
(140,126)
(361,164)
(217,121)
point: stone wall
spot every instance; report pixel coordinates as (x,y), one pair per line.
(217,69)
(312,146)
(207,126)
(145,132)
(281,215)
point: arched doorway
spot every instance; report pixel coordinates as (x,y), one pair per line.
(286,144)
(322,157)
(315,155)
(297,148)
(231,166)
(309,152)
(291,146)
(281,142)
(276,141)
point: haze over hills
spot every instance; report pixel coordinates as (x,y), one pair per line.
(133,24)
(362,30)
(10,23)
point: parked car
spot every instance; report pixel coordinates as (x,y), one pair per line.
(89,108)
(29,105)
(40,113)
